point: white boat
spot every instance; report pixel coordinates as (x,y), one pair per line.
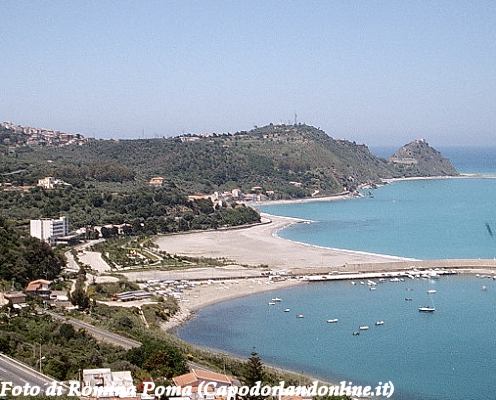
(364,328)
(276,300)
(379,323)
(287,310)
(432,291)
(356,333)
(484,288)
(300,316)
(427,309)
(372,288)
(332,321)
(272,303)
(353,283)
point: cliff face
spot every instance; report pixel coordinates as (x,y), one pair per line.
(419,159)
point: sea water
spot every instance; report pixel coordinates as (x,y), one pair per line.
(447,355)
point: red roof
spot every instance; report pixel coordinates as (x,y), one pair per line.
(34,286)
(196,376)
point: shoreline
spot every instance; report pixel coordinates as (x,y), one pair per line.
(349,195)
(332,197)
(275,234)
(192,303)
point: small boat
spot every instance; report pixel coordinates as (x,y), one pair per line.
(272,303)
(276,300)
(427,309)
(372,288)
(484,288)
(332,321)
(356,333)
(353,283)
(378,323)
(408,299)
(287,310)
(432,291)
(364,328)
(300,316)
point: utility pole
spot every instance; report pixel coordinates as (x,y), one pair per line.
(40,359)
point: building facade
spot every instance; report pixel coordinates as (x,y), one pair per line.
(49,229)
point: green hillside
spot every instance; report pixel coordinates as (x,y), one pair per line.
(290,160)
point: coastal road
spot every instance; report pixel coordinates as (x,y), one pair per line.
(98,333)
(19,374)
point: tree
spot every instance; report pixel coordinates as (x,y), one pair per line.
(67,331)
(158,358)
(79,297)
(253,373)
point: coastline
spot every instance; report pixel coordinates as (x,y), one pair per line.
(275,234)
(205,295)
(348,195)
(334,197)
(261,244)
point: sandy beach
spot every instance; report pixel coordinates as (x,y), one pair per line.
(259,245)
(249,249)
(335,197)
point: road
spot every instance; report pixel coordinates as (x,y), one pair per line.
(98,333)
(19,374)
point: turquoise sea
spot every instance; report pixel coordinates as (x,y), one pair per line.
(445,355)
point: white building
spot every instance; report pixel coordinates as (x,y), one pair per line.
(111,384)
(51,183)
(49,229)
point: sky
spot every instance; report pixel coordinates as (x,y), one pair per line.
(378,72)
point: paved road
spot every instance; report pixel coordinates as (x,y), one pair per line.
(98,333)
(19,374)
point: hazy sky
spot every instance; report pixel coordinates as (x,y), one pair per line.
(379,72)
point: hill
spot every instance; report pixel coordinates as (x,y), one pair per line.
(419,159)
(286,161)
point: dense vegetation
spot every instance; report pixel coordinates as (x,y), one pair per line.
(147,210)
(272,157)
(23,258)
(67,350)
